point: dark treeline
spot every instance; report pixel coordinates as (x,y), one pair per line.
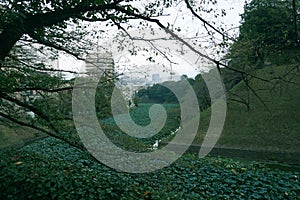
(161,94)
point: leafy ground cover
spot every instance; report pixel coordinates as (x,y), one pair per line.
(140,116)
(51,169)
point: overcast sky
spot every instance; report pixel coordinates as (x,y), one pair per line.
(232,19)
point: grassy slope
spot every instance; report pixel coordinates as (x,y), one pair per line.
(259,129)
(16,135)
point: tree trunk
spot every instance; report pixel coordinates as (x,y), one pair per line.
(295,21)
(16,27)
(8,39)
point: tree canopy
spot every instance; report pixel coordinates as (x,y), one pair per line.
(267,27)
(268,35)
(32,33)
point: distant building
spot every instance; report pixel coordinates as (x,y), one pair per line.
(155,78)
(99,62)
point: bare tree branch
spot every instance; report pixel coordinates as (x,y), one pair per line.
(206,23)
(35,68)
(255,93)
(43,89)
(240,100)
(22,123)
(53,45)
(146,40)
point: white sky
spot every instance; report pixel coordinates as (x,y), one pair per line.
(233,9)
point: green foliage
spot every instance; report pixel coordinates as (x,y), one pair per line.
(140,115)
(230,78)
(202,92)
(20,94)
(268,27)
(33,33)
(268,24)
(160,94)
(50,169)
(157,94)
(103,98)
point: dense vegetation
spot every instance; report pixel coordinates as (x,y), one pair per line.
(158,93)
(35,33)
(269,30)
(261,78)
(140,115)
(51,169)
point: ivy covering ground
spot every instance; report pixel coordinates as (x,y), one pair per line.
(140,115)
(51,169)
